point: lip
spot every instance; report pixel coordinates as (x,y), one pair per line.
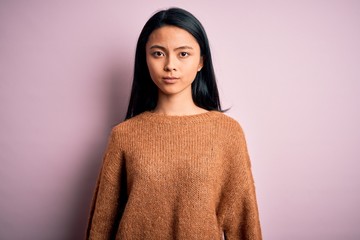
(170,79)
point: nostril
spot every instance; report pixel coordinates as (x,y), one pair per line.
(167,68)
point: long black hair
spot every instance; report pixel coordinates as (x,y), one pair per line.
(144,92)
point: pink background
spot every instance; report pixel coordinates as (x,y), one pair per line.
(289,70)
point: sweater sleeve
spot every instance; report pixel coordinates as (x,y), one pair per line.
(239,205)
(108,200)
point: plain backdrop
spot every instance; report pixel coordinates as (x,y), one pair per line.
(289,70)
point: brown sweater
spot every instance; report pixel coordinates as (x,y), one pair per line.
(175,177)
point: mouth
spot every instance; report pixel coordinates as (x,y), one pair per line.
(170,79)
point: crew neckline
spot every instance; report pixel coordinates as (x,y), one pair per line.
(160,117)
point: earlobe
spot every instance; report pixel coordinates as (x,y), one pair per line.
(201,64)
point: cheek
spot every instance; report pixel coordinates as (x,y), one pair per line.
(150,66)
(193,67)
(148,63)
(153,66)
(153,70)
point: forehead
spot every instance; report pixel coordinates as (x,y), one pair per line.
(171,36)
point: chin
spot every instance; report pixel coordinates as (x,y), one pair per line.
(169,93)
(172,91)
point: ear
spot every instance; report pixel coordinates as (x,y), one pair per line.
(201,63)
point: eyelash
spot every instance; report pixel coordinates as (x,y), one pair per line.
(158,54)
(187,54)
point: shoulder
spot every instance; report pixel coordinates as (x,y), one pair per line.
(131,122)
(229,123)
(125,127)
(234,137)
(227,119)
(232,134)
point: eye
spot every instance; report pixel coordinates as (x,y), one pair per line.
(184,54)
(158,54)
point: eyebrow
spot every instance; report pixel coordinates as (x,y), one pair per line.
(178,48)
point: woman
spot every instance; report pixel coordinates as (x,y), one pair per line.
(177,167)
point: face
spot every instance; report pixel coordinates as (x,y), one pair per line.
(173,59)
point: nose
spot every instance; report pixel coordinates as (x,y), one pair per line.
(170,64)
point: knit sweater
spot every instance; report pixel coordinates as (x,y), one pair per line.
(175,177)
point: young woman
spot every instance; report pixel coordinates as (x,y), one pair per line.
(177,167)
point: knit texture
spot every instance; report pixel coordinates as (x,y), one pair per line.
(175,177)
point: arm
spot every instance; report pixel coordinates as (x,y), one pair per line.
(240,211)
(107,203)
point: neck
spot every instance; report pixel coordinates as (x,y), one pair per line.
(180,104)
